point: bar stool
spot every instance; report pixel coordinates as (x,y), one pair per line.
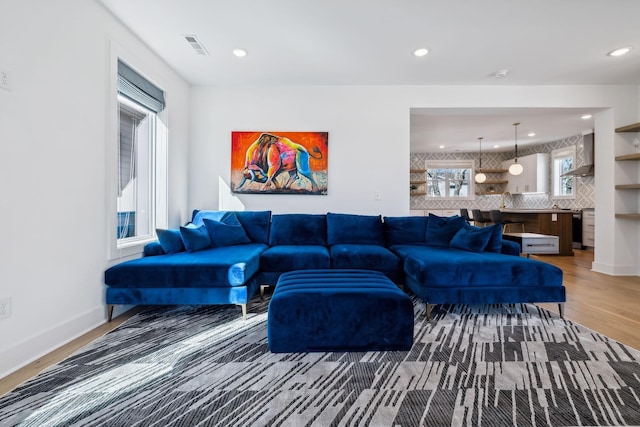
(464,213)
(496,218)
(478,219)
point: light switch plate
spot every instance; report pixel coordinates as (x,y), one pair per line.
(5,308)
(5,79)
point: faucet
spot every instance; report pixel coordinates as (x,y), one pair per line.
(504,193)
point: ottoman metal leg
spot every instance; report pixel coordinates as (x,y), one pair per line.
(262,289)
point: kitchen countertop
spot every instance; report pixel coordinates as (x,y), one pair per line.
(537,211)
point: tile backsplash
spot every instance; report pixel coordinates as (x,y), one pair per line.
(584,185)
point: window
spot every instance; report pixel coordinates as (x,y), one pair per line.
(135,161)
(449,179)
(141,159)
(563,161)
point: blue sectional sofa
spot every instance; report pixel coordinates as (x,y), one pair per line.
(223,257)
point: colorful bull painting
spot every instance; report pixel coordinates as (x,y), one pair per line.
(279,162)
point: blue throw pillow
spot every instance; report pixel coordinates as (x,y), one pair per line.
(256,224)
(495,242)
(170,240)
(473,239)
(226,232)
(199,216)
(195,238)
(440,230)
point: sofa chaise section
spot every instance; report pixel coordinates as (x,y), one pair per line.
(447,261)
(213,276)
(222,272)
(453,276)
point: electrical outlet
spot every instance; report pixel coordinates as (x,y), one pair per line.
(377,196)
(5,308)
(5,80)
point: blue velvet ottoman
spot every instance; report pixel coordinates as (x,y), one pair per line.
(338,310)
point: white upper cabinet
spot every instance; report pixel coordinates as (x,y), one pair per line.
(534,178)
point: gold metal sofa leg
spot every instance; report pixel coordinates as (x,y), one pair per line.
(244,311)
(561,309)
(109,312)
(428,311)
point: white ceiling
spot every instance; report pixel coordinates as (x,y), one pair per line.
(370,42)
(459,129)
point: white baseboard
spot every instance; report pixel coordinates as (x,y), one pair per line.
(615,270)
(32,348)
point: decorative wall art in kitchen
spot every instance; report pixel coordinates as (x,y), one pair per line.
(279,162)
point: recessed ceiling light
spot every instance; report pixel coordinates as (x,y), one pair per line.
(501,73)
(441,147)
(586,117)
(531,134)
(619,52)
(496,146)
(240,53)
(421,52)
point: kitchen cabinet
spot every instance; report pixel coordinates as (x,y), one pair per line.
(546,221)
(629,198)
(534,178)
(588,227)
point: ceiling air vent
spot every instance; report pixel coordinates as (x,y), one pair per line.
(196,45)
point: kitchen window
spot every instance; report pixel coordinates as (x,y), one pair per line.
(563,160)
(449,179)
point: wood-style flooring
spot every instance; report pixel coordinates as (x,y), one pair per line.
(607,304)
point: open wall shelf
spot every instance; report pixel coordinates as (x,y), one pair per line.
(494,182)
(493,170)
(628,157)
(634,156)
(629,128)
(628,216)
(628,187)
(483,190)
(417,182)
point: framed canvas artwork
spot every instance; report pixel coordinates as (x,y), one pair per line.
(279,162)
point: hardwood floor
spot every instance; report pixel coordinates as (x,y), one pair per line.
(34,368)
(606,304)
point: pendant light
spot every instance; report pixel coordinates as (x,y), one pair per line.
(516,168)
(480,177)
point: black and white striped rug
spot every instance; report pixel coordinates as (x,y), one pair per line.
(469,366)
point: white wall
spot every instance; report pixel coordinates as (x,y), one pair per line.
(369,143)
(54,135)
